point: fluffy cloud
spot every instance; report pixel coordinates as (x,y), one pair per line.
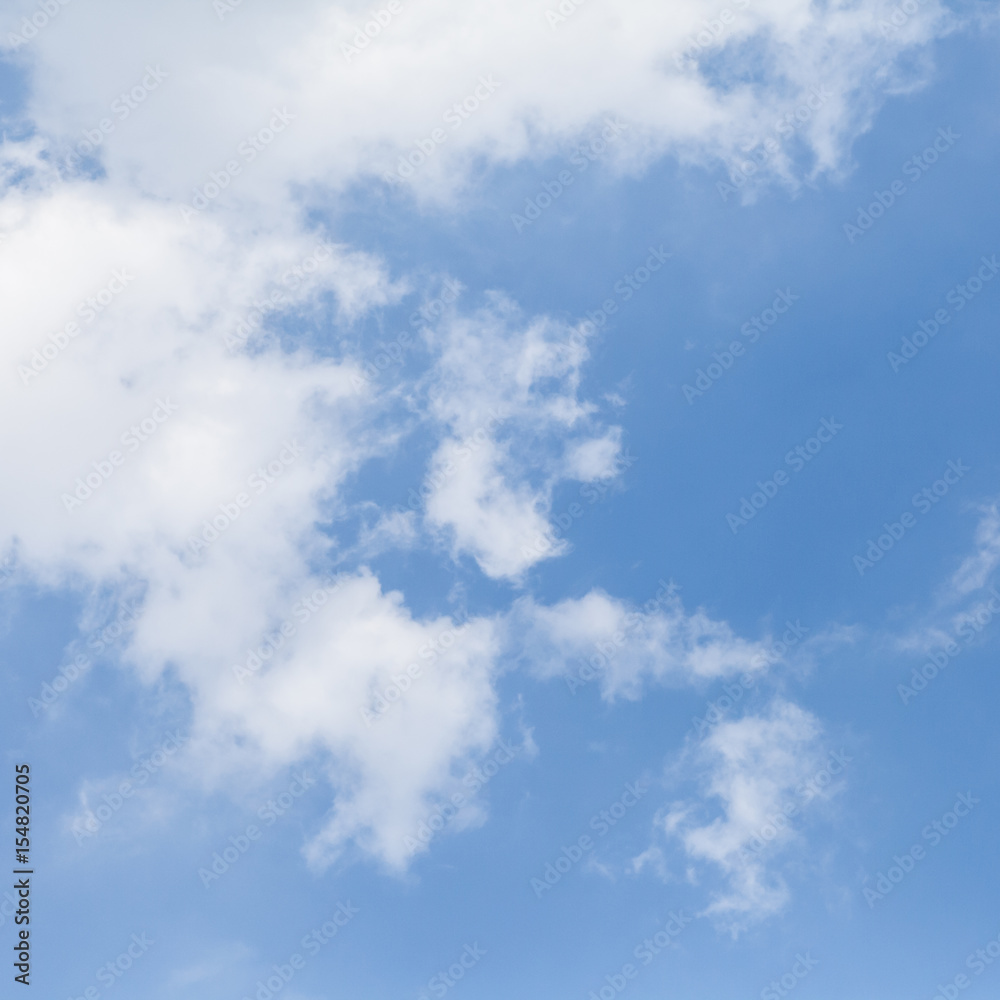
(165,440)
(758,769)
(390,706)
(505,392)
(150,455)
(158,454)
(627,648)
(660,67)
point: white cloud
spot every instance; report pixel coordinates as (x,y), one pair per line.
(152,456)
(318,698)
(642,61)
(595,458)
(395,531)
(505,390)
(628,647)
(246,455)
(756,768)
(170,287)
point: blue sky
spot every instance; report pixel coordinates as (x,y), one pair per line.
(567,478)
